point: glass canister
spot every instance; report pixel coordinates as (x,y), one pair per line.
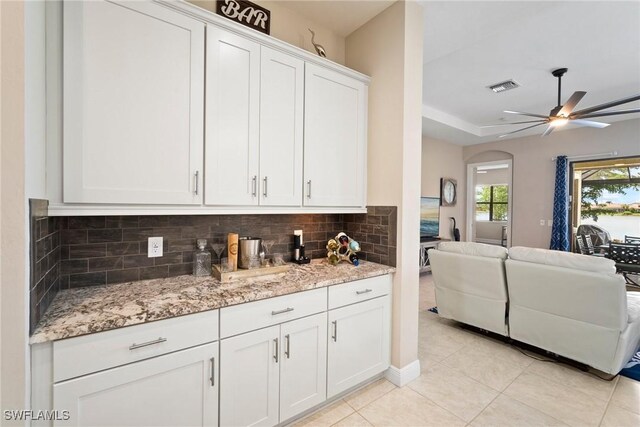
(201,259)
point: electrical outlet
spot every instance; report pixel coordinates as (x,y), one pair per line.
(542,222)
(154,247)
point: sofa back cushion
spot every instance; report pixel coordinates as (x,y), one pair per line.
(563,259)
(474,249)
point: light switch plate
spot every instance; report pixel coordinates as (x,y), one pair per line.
(549,222)
(154,248)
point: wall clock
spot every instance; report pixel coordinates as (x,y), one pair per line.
(448,192)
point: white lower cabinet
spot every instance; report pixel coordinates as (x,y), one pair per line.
(249,378)
(177,389)
(279,357)
(273,374)
(359,344)
(303,372)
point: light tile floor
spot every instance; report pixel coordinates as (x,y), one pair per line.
(473,380)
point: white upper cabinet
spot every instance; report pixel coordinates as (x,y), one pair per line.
(281,128)
(335,138)
(232,119)
(167,104)
(133,104)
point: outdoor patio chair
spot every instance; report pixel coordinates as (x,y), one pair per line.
(632,240)
(585,245)
(627,259)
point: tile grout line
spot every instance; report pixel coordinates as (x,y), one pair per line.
(606,408)
(534,408)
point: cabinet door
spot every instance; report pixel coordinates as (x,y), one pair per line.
(249,378)
(281,133)
(303,372)
(359,343)
(232,119)
(177,389)
(133,104)
(335,128)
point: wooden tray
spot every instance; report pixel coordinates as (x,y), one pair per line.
(245,274)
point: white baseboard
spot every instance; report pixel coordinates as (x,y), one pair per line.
(403,376)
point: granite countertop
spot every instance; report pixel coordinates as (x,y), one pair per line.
(82,311)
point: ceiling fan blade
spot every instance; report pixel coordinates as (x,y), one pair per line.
(520,130)
(571,103)
(589,123)
(526,114)
(513,123)
(607,113)
(548,131)
(606,105)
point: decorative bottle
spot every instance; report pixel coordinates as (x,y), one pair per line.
(201,259)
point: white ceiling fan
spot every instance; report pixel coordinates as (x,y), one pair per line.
(560,115)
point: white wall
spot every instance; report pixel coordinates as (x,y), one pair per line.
(389,49)
(13,280)
(534,172)
(442,159)
(291,27)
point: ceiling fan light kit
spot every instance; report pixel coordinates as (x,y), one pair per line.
(560,115)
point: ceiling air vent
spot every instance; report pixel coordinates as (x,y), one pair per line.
(504,86)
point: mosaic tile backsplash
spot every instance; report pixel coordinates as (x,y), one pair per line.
(44,246)
(113,249)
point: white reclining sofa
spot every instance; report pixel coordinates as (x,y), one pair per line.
(573,305)
(470,284)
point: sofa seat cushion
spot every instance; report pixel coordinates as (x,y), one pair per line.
(474,249)
(563,259)
(633,306)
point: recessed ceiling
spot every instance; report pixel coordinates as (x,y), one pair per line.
(343,17)
(470,45)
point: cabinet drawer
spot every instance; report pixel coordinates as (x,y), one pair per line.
(255,315)
(360,290)
(91,353)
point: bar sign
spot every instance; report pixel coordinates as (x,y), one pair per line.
(245,13)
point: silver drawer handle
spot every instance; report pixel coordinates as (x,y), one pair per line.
(275,350)
(254,186)
(366,291)
(286,310)
(144,344)
(334,337)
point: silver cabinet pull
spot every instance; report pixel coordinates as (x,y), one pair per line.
(287,349)
(276,351)
(366,291)
(213,371)
(309,189)
(286,310)
(254,185)
(145,344)
(334,337)
(197,182)
(264,186)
